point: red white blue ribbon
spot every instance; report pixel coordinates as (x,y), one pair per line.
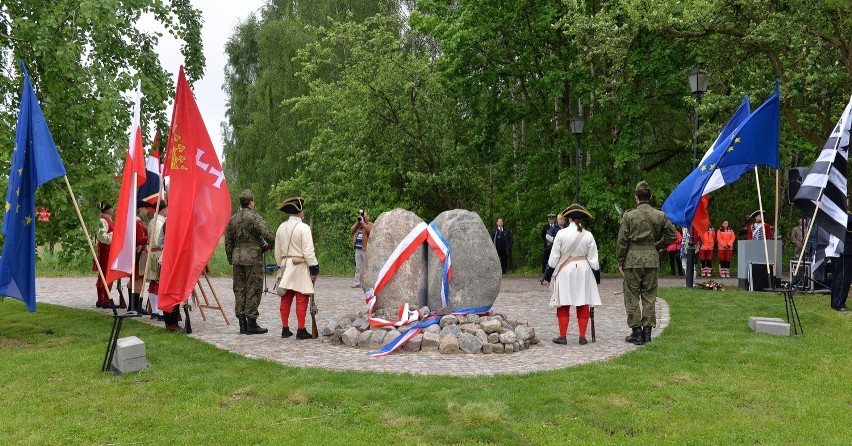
(408,246)
(412,241)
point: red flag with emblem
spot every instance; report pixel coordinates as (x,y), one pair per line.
(199,202)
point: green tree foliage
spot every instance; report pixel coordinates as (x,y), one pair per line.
(466,103)
(84,58)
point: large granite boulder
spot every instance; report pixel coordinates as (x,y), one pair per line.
(388,231)
(476,267)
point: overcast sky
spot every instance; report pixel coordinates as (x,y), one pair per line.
(220,19)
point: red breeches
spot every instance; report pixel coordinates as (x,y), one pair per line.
(563,316)
(301,308)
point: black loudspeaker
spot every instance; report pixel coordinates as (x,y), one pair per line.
(758,279)
(795,176)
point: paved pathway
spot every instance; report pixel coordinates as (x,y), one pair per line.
(520,299)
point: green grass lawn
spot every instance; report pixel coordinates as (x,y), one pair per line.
(707,380)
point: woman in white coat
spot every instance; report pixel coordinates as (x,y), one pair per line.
(574,256)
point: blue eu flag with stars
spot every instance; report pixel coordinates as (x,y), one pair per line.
(35,161)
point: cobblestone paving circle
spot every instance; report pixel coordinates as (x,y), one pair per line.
(520,299)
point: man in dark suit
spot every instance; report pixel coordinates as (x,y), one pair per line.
(502,238)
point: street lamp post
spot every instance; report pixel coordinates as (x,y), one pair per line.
(698,85)
(577,123)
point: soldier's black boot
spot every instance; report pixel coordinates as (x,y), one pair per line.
(286,333)
(253,328)
(302,333)
(635,337)
(646,334)
(243,324)
(139,307)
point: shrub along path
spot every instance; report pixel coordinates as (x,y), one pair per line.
(520,299)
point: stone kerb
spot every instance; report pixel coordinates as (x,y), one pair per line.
(476,267)
(388,231)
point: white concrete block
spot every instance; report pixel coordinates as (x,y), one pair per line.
(752,321)
(129,355)
(772,327)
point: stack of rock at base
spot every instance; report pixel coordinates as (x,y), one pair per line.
(454,334)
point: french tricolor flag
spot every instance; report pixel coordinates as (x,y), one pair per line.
(150,190)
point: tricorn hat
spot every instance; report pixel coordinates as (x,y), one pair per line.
(143,204)
(292,205)
(104,206)
(756,213)
(643,185)
(576,211)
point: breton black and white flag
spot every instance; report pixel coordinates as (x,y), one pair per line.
(825,185)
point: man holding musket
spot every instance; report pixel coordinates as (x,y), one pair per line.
(299,268)
(644,231)
(246,239)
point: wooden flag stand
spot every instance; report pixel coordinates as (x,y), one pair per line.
(206,303)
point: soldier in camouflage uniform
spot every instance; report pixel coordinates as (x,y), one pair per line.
(644,231)
(246,239)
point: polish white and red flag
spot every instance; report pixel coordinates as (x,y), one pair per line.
(123,247)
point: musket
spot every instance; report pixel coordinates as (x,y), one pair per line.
(188,325)
(592,316)
(314,331)
(121,302)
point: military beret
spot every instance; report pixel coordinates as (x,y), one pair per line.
(643,185)
(576,211)
(292,205)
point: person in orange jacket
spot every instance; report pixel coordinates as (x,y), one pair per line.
(705,253)
(725,247)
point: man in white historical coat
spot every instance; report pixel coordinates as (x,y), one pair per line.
(573,260)
(294,253)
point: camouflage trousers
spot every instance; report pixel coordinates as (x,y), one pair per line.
(640,295)
(248,289)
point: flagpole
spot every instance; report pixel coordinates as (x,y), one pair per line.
(760,203)
(86,232)
(134,184)
(805,239)
(775,232)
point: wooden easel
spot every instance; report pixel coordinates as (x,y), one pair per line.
(206,303)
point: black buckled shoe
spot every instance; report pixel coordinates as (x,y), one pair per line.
(560,340)
(303,334)
(583,340)
(286,333)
